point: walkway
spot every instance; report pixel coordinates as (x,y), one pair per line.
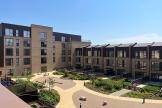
(120,92)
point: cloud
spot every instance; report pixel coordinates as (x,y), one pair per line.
(144,38)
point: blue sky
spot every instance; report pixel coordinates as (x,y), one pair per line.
(101,21)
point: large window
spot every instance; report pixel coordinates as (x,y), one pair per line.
(78,59)
(44,69)
(17,42)
(9,42)
(109,62)
(43,51)
(17,51)
(69,59)
(43,35)
(26,33)
(69,52)
(53,59)
(63,59)
(26,52)
(111,54)
(8,32)
(9,61)
(63,45)
(43,43)
(63,52)
(26,61)
(155,66)
(62,39)
(155,54)
(26,42)
(43,60)
(141,65)
(140,54)
(17,61)
(9,52)
(17,33)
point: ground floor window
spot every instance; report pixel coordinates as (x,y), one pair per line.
(44,69)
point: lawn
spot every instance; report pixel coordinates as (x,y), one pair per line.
(107,85)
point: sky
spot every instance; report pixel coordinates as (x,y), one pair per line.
(101,21)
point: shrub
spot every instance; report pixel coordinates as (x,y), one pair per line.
(49,97)
(151,88)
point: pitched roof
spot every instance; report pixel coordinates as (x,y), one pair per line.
(142,44)
(112,45)
(157,44)
(127,45)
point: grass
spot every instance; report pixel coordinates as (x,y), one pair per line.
(149,92)
(106,85)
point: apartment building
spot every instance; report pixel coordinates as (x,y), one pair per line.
(134,60)
(35,48)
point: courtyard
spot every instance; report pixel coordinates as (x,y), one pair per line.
(71,90)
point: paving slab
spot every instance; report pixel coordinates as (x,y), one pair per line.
(120,92)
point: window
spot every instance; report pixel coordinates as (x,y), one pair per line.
(44,69)
(26,52)
(120,53)
(69,59)
(17,42)
(62,39)
(43,35)
(69,52)
(26,43)
(26,33)
(98,53)
(111,54)
(88,60)
(43,43)
(8,32)
(155,54)
(27,70)
(53,39)
(63,52)
(53,59)
(43,60)
(97,61)
(142,54)
(17,61)
(78,52)
(9,52)
(121,63)
(141,65)
(10,72)
(9,61)
(63,45)
(78,59)
(9,42)
(63,59)
(26,61)
(17,33)
(43,51)
(155,66)
(17,51)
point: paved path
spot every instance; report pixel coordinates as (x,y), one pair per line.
(120,92)
(94,101)
(67,97)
